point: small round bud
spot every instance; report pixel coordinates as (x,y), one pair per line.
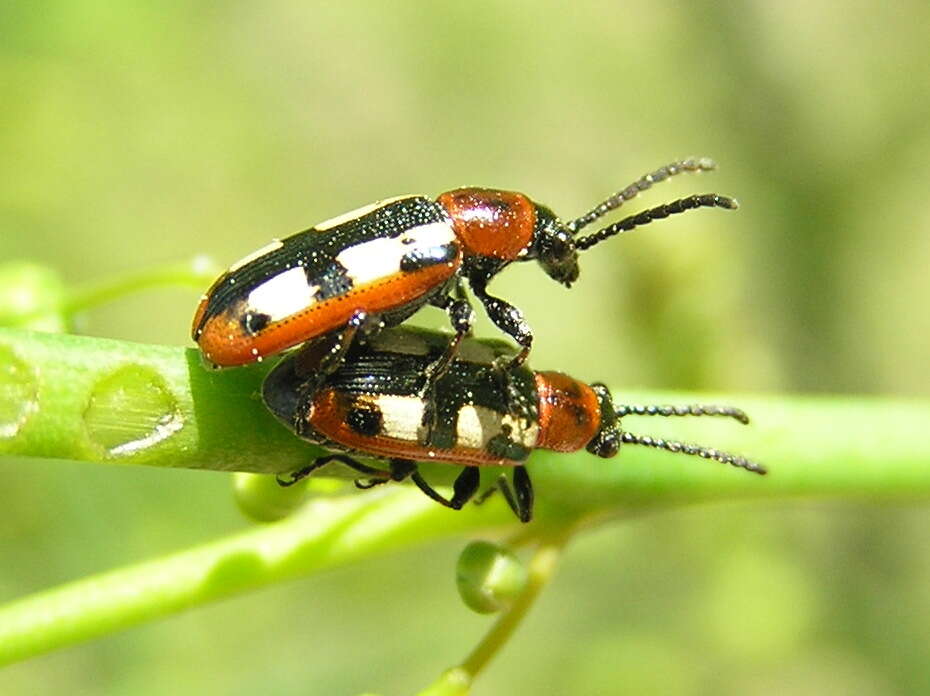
(32,297)
(261,498)
(489,577)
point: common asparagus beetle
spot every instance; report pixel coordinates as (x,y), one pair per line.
(372,405)
(375,266)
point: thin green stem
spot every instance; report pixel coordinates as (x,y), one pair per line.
(540,570)
(327,533)
(197,272)
(458,680)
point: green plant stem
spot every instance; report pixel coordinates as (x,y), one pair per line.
(821,446)
(113,401)
(197,272)
(541,568)
(325,534)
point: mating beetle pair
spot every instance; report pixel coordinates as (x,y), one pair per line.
(346,279)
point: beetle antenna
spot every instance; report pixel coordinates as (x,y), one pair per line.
(696,450)
(701,200)
(691,164)
(691,410)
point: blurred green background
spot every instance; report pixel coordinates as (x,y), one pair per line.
(139,134)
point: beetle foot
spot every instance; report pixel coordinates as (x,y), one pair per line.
(516,403)
(364,484)
(301,417)
(427,396)
(294,477)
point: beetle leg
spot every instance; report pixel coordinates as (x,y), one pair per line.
(508,319)
(434,371)
(299,475)
(462,317)
(402,468)
(463,489)
(318,367)
(520,499)
(359,321)
(366,483)
(522,502)
(460,293)
(480,498)
(319,462)
(517,404)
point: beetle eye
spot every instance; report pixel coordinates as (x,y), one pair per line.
(558,257)
(554,247)
(605,444)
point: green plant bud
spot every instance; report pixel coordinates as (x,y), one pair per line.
(453,682)
(261,498)
(489,577)
(31,297)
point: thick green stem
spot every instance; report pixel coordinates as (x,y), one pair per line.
(92,399)
(75,397)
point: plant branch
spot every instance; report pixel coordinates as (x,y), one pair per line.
(327,533)
(458,680)
(541,569)
(197,272)
(93,399)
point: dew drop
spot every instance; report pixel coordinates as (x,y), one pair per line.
(19,391)
(131,410)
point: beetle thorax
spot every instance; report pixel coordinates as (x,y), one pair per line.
(569,412)
(490,222)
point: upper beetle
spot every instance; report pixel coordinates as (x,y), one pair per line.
(372,405)
(377,265)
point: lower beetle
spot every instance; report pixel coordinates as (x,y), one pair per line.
(372,405)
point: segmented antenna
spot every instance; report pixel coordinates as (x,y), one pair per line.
(691,410)
(697,450)
(701,200)
(692,164)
